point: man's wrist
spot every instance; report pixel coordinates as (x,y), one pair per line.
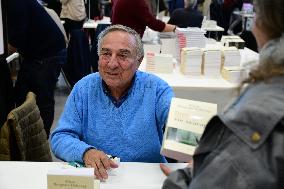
(89,148)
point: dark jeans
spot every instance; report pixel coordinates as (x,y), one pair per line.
(70,25)
(40,76)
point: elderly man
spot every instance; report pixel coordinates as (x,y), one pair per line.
(119,111)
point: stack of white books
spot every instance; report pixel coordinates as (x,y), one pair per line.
(151,47)
(196,38)
(233,74)
(191,61)
(190,37)
(185,125)
(231,56)
(212,62)
(168,43)
(159,63)
(150,66)
(180,42)
(233,40)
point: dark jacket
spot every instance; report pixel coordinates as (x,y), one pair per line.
(78,57)
(22,137)
(244,146)
(186,17)
(6,88)
(32,31)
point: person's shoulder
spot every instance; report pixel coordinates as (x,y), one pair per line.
(88,81)
(178,11)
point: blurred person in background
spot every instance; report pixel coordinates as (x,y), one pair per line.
(243,146)
(74,14)
(137,15)
(187,17)
(41,44)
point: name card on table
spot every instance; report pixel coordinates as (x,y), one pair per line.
(70,178)
(186,122)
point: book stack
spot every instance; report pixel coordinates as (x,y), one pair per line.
(159,63)
(150,66)
(233,40)
(212,62)
(231,56)
(151,47)
(168,46)
(189,37)
(233,74)
(196,38)
(191,61)
(186,122)
(168,43)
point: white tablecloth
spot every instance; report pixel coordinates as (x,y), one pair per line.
(33,175)
(92,24)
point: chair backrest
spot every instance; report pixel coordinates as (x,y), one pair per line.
(22,137)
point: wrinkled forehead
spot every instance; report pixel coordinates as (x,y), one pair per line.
(122,36)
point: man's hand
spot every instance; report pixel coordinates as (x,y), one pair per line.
(100,162)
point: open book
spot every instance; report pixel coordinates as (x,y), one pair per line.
(186,122)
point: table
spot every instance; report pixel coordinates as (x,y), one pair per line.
(92,24)
(33,175)
(201,88)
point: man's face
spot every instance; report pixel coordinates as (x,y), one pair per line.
(117,60)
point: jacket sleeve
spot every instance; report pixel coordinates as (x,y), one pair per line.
(146,17)
(178,179)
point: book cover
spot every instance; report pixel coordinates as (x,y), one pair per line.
(186,122)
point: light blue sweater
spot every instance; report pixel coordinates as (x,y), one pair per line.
(132,132)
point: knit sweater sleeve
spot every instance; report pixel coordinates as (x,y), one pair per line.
(66,140)
(164,96)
